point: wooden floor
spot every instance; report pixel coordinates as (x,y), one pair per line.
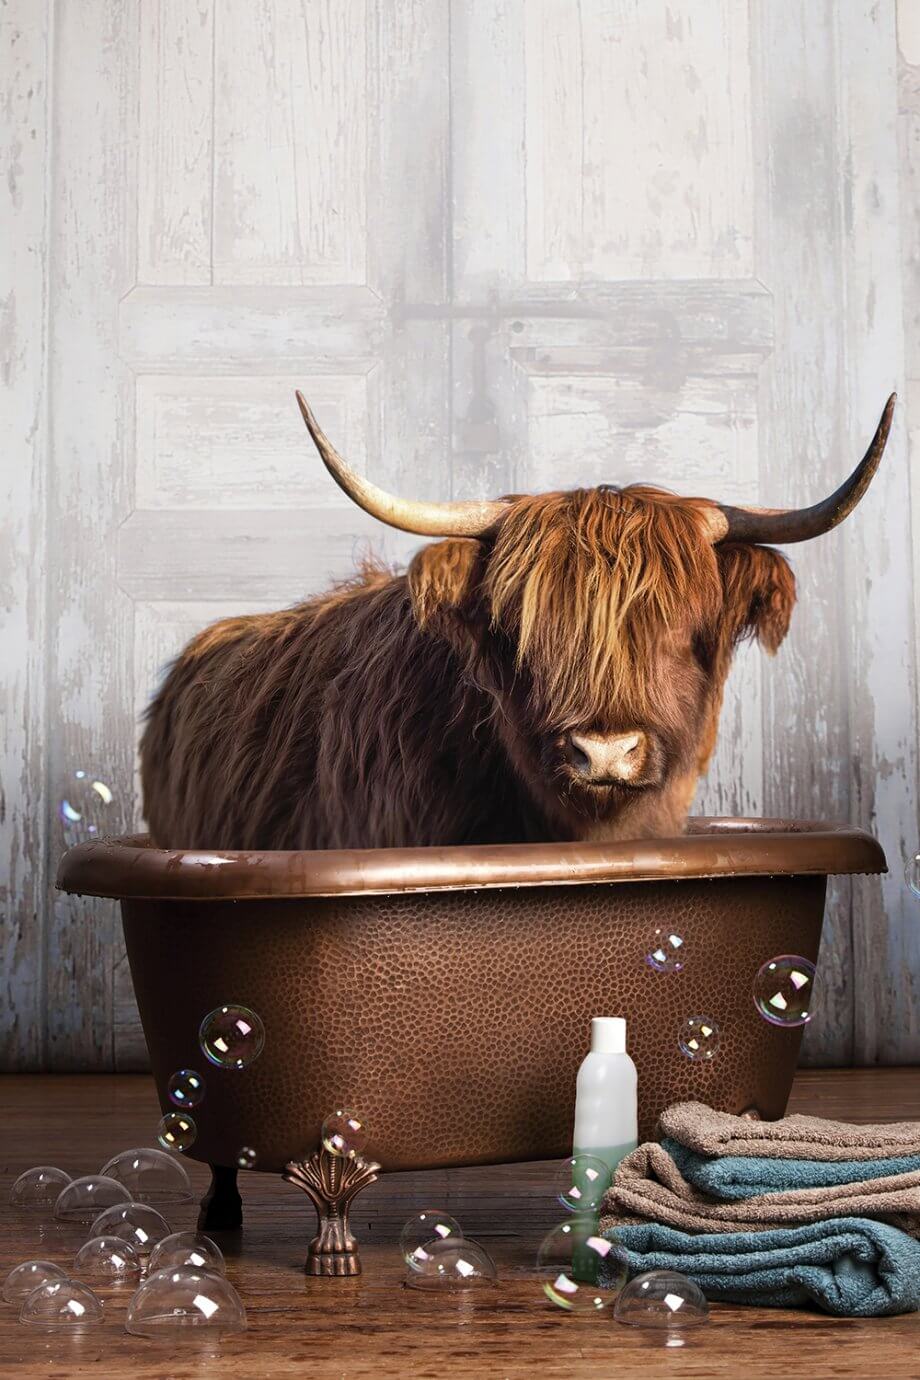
(373,1326)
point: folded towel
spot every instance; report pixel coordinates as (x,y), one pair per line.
(746,1176)
(849,1267)
(708,1132)
(649,1186)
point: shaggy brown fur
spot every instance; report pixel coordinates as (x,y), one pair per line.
(434,707)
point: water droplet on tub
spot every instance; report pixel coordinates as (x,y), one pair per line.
(784,990)
(345,1134)
(176,1131)
(186,1088)
(422,1230)
(699,1038)
(666,952)
(232,1036)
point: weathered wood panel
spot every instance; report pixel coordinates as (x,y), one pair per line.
(800,257)
(24,134)
(504,245)
(206,441)
(174,136)
(89,481)
(878,621)
(638,162)
(290,141)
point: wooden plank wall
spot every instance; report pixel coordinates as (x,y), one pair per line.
(504,245)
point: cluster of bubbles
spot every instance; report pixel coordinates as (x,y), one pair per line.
(581,1269)
(440,1258)
(232,1036)
(178,1279)
(783,987)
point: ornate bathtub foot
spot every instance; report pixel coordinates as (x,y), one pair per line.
(331,1182)
(221,1206)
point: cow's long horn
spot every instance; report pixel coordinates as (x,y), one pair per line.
(426,519)
(782,525)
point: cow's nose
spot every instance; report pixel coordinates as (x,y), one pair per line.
(620,757)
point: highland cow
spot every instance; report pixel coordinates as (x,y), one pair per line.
(552,669)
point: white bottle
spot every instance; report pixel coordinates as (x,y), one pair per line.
(605,1095)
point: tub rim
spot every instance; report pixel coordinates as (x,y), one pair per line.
(130,867)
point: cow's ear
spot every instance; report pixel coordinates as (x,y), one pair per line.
(759,589)
(444,587)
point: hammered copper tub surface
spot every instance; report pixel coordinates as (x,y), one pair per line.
(447,993)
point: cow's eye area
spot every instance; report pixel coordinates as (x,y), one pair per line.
(703,650)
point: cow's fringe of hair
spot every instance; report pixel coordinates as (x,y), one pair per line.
(587,580)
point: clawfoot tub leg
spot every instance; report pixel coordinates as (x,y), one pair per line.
(221,1206)
(331,1183)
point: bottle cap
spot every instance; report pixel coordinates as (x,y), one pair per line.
(608,1035)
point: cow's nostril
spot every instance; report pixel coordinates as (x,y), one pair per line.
(580,759)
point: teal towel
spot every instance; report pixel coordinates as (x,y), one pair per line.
(746,1176)
(849,1266)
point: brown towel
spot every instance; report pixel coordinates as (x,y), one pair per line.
(793,1138)
(649,1187)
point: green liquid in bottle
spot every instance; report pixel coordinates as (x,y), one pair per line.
(610,1154)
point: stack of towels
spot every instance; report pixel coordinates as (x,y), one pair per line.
(778,1213)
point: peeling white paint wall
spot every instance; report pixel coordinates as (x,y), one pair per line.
(502,244)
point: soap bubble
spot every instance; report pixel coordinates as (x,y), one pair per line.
(61,1304)
(150,1175)
(232,1036)
(345,1134)
(85,812)
(454,1265)
(177,1131)
(190,1248)
(22,1279)
(422,1230)
(39,1187)
(699,1038)
(137,1223)
(784,990)
(581,1183)
(174,1301)
(666,952)
(246,1157)
(186,1088)
(108,1260)
(83,1199)
(580,1270)
(912,874)
(662,1298)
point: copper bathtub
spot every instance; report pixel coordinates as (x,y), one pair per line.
(447,992)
